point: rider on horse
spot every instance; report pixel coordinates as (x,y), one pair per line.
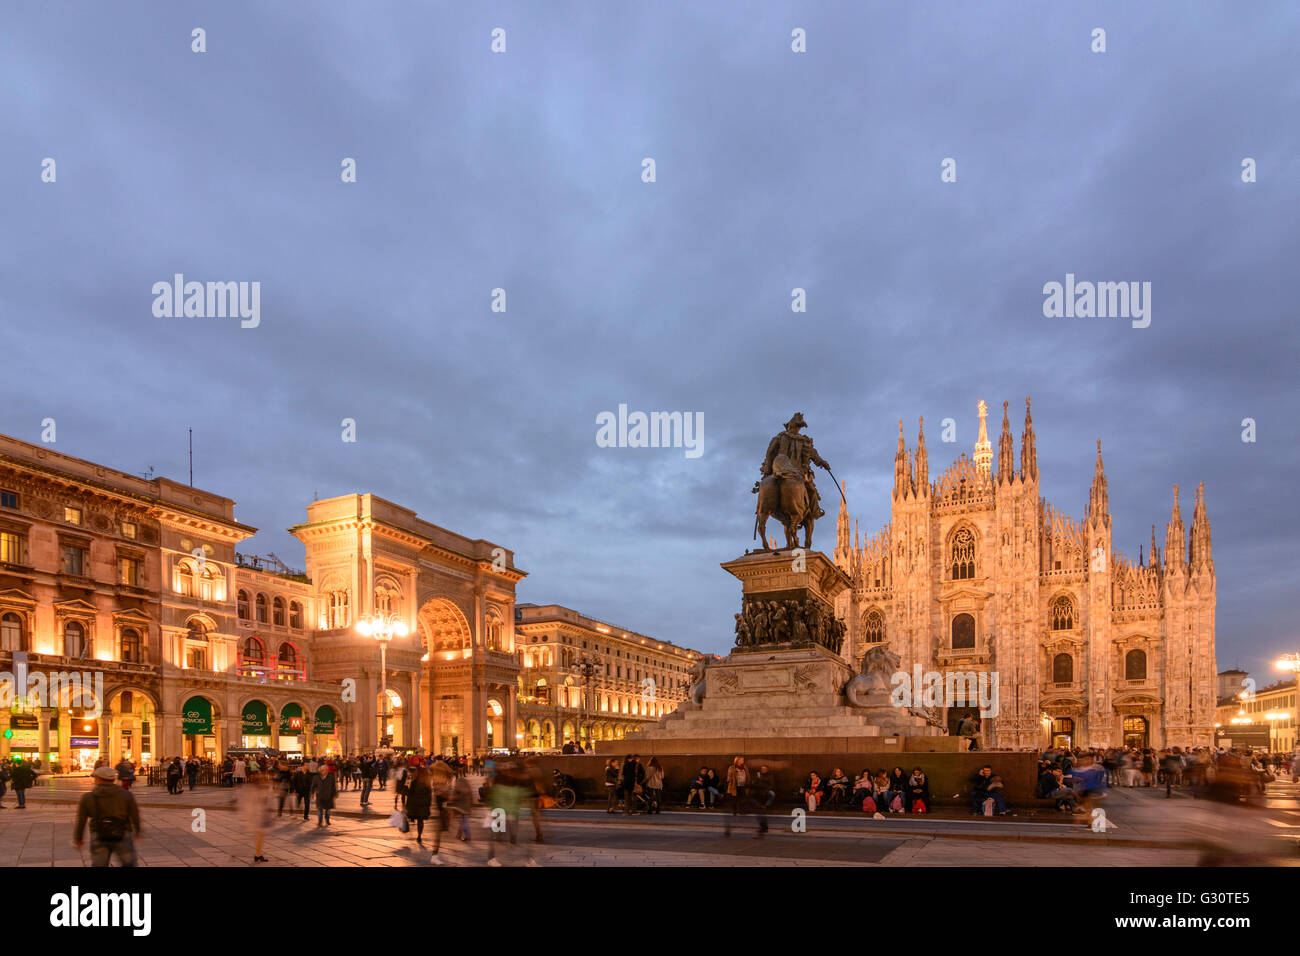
(791,456)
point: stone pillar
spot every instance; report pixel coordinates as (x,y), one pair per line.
(4,741)
(43,735)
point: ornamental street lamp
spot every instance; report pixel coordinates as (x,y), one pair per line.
(383,628)
(587,667)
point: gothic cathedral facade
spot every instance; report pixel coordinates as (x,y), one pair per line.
(976,572)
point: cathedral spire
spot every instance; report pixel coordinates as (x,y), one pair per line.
(902,467)
(922,460)
(842,531)
(1028,450)
(1201,547)
(1174,537)
(1006,450)
(1155,557)
(1098,499)
(983,448)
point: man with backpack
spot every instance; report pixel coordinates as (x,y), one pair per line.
(114,820)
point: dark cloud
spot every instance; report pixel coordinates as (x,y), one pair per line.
(522,171)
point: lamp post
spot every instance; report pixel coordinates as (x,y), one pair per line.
(587,667)
(383,628)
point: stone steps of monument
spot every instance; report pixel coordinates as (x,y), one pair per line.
(786,723)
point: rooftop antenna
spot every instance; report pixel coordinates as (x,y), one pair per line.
(191,457)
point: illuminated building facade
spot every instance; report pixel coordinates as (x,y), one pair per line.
(583,680)
(976,572)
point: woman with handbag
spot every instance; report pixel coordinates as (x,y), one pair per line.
(418,786)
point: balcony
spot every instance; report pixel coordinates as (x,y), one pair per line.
(68,579)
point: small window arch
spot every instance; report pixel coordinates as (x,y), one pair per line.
(1063,669)
(873,627)
(963,632)
(184,580)
(295,614)
(277,612)
(12,636)
(963,555)
(287,662)
(494,632)
(74,640)
(1062,614)
(131,647)
(1135,665)
(261,609)
(252,654)
(242,606)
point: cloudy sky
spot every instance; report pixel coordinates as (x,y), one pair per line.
(775,170)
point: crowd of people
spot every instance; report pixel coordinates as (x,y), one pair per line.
(435,795)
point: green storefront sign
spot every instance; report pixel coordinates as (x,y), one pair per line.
(196,716)
(324,720)
(291,719)
(256,719)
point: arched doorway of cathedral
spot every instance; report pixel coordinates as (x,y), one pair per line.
(1062,732)
(494,724)
(955,715)
(568,732)
(1137,732)
(533,739)
(548,735)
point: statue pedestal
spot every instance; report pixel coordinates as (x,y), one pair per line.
(785,695)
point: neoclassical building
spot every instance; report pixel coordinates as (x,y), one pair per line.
(976,572)
(132,583)
(197,648)
(583,680)
(451,681)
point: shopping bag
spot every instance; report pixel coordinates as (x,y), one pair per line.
(398,819)
(918,806)
(868,805)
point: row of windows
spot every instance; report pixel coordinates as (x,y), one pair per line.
(76,640)
(963,625)
(1135,667)
(277,609)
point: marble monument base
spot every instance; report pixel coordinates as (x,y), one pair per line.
(783,700)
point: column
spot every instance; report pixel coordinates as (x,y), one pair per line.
(43,735)
(415,715)
(4,741)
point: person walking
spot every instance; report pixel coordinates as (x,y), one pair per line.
(302,784)
(192,772)
(461,805)
(4,781)
(417,786)
(125,773)
(737,783)
(114,820)
(283,783)
(654,784)
(325,786)
(611,784)
(254,810)
(21,779)
(174,776)
(367,780)
(633,783)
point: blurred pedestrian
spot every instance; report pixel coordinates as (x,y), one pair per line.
(325,787)
(21,778)
(114,820)
(254,810)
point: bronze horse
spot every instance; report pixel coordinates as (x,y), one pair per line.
(787,500)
